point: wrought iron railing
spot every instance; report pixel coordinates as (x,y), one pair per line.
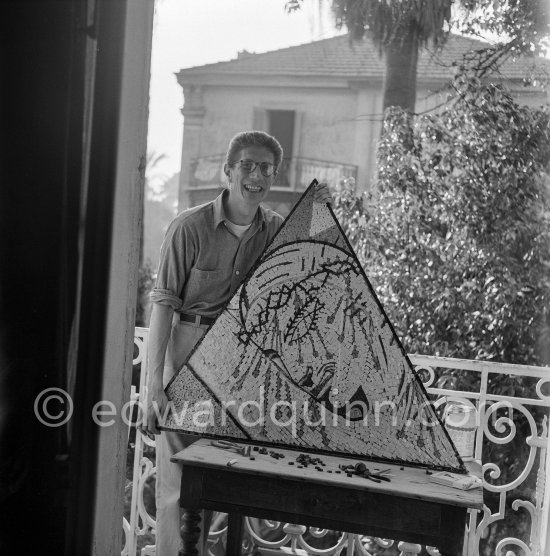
(512,404)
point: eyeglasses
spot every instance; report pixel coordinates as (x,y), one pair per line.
(266,168)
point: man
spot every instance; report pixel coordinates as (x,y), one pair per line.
(206,253)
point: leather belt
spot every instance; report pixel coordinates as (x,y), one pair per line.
(197,319)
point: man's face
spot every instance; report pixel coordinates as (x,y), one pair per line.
(250,187)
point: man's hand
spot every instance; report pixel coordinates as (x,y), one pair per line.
(157,403)
(322,194)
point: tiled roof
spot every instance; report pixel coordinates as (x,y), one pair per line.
(338,58)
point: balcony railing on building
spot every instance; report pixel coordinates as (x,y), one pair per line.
(514,521)
(295,174)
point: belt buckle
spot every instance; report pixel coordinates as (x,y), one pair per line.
(197,320)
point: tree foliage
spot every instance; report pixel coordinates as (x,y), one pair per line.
(521,25)
(522,28)
(457,242)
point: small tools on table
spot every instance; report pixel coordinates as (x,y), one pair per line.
(361,470)
(226,445)
(358,469)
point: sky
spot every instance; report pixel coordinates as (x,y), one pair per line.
(195,32)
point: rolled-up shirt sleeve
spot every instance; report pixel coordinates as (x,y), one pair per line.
(176,258)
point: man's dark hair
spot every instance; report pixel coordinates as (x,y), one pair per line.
(254,138)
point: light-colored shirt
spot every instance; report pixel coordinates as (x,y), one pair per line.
(237,229)
(202,263)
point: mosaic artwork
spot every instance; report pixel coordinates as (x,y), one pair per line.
(304,357)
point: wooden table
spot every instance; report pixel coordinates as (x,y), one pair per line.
(409,508)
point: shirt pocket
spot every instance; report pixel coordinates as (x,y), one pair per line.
(206,287)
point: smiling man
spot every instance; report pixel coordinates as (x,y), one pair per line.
(207,252)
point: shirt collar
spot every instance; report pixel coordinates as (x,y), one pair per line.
(220,216)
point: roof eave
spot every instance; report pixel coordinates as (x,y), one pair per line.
(269,80)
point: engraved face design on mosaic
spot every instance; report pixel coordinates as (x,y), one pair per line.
(313,340)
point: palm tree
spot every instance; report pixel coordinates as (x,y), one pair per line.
(398,28)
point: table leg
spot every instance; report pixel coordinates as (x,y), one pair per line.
(190,532)
(234,533)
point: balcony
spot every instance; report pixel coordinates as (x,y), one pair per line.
(512,422)
(295,174)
